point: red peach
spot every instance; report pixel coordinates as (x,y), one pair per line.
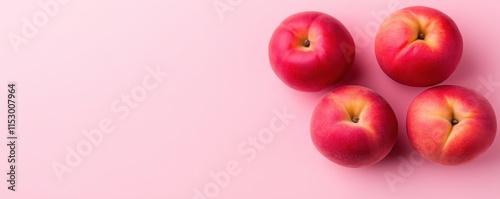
(451,125)
(418,46)
(310,51)
(354,126)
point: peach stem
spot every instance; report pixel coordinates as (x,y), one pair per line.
(307,43)
(355,119)
(421,36)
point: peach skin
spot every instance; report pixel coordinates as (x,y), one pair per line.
(310,51)
(451,125)
(353,126)
(418,46)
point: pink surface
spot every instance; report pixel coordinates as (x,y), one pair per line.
(89,57)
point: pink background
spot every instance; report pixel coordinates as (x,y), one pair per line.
(220,90)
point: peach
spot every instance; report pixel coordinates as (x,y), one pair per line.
(353,126)
(451,125)
(310,51)
(418,46)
